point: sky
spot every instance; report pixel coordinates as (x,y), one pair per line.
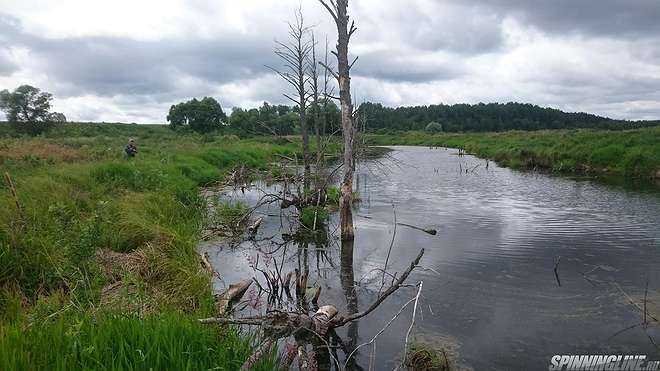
(130,60)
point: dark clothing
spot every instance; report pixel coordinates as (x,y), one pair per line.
(131,150)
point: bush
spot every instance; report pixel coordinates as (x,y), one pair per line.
(332,193)
(312,213)
(433,127)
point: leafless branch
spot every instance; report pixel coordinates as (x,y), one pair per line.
(385,294)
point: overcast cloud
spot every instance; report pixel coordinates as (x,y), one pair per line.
(127,60)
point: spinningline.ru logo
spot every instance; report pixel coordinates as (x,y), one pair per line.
(602,362)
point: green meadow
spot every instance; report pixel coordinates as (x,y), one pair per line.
(626,154)
(98,260)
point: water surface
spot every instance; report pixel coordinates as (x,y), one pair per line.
(489,290)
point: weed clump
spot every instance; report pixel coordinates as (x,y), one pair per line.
(314,217)
(421,357)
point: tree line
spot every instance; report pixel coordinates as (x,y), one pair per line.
(484,117)
(206,116)
(28,111)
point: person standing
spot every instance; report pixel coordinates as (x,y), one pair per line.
(131,149)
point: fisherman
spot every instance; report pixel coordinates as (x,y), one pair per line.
(131,149)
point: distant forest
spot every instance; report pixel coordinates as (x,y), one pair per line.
(485,117)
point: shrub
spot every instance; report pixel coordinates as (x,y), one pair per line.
(333,195)
(310,214)
(433,127)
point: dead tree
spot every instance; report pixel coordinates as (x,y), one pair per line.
(338,11)
(314,86)
(295,55)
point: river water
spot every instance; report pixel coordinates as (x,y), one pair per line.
(490,295)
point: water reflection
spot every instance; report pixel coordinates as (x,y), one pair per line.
(492,288)
(348,286)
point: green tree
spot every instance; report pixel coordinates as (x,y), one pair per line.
(202,116)
(57,117)
(28,110)
(434,127)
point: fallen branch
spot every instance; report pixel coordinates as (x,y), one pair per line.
(206,264)
(384,296)
(633,302)
(557,260)
(257,354)
(412,322)
(234,293)
(373,339)
(252,229)
(389,250)
(277,324)
(430,231)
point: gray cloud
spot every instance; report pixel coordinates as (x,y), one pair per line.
(7,67)
(439,26)
(109,66)
(613,18)
(405,67)
(599,55)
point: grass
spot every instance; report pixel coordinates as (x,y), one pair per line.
(423,357)
(630,154)
(79,198)
(108,341)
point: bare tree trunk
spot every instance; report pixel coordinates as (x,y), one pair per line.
(339,12)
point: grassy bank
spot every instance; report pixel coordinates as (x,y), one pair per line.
(630,154)
(98,252)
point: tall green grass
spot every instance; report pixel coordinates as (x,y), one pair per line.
(110,341)
(633,154)
(83,196)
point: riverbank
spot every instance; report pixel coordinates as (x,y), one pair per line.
(628,154)
(98,259)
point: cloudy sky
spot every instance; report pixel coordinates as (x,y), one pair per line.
(129,60)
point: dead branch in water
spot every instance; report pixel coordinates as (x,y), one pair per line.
(234,293)
(259,352)
(412,322)
(634,303)
(389,250)
(278,324)
(206,264)
(252,229)
(385,294)
(373,339)
(557,260)
(430,231)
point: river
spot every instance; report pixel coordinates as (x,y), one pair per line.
(490,295)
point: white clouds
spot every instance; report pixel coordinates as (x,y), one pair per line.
(128,60)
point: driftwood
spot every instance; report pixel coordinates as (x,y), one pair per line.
(302,326)
(425,230)
(252,229)
(384,295)
(234,293)
(259,352)
(206,263)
